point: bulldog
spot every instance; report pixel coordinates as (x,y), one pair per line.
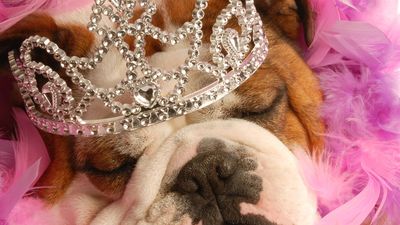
(229,163)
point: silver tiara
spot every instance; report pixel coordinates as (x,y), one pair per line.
(53,108)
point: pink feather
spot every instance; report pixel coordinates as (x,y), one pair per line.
(23,162)
(6,164)
(356,55)
(12,11)
(33,211)
(364,202)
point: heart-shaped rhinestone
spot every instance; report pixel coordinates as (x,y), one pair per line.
(146,95)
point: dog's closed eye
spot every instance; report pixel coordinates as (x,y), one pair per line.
(259,96)
(110,166)
(109,174)
(101,160)
(261,108)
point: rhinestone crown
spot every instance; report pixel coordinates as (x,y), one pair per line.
(53,108)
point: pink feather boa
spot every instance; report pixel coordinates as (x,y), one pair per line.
(12,11)
(23,160)
(356,54)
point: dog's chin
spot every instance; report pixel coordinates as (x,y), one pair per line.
(217,172)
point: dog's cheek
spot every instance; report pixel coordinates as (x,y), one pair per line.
(294,132)
(283,123)
(60,172)
(284,198)
(112,185)
(107,161)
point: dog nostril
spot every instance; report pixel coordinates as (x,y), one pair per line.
(214,184)
(227,168)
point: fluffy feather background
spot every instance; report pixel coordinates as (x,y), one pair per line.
(356,54)
(22,162)
(24,158)
(11,11)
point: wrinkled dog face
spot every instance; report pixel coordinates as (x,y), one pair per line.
(226,164)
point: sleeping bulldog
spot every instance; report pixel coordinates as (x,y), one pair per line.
(228,163)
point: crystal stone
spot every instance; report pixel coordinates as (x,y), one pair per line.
(231,42)
(146,95)
(49,92)
(54,108)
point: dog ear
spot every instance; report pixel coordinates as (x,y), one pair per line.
(307,17)
(290,16)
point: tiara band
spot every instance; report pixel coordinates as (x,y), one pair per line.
(54,109)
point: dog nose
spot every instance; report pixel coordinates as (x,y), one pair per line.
(217,181)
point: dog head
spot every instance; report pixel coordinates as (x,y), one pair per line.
(224,161)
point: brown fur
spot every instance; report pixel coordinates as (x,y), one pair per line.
(287,15)
(283,96)
(60,174)
(152,45)
(290,16)
(302,88)
(101,159)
